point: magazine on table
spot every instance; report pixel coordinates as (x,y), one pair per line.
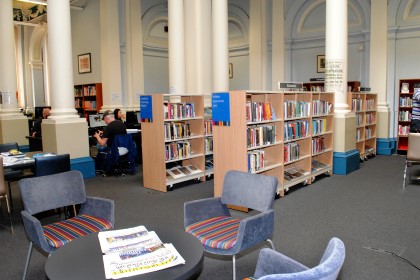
(135,251)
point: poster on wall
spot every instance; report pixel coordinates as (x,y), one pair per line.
(146,111)
(334,73)
(221,109)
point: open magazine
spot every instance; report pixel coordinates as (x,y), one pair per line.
(134,251)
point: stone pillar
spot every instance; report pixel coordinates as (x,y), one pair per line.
(277,44)
(346,157)
(176,46)
(220,47)
(110,55)
(378,73)
(134,55)
(258,45)
(64,132)
(13,125)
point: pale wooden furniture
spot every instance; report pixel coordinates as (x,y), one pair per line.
(88,98)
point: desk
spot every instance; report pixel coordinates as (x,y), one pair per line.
(82,258)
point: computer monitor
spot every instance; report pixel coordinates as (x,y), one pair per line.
(95,120)
(131,118)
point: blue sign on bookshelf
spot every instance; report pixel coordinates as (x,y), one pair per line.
(220,108)
(146,112)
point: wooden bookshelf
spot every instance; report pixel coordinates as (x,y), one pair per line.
(208,142)
(318,86)
(155,144)
(364,105)
(88,98)
(405,107)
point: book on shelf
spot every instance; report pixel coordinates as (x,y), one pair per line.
(193,169)
(134,251)
(294,173)
(175,173)
(405,87)
(209,164)
(316,165)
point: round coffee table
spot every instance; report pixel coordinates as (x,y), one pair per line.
(82,258)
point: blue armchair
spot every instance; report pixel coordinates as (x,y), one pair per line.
(211,222)
(48,192)
(273,265)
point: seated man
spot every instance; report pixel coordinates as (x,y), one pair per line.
(106,137)
(36,129)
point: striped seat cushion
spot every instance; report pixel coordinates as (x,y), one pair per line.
(219,232)
(61,233)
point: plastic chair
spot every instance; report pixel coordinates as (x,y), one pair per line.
(3,192)
(273,265)
(211,222)
(40,194)
(413,154)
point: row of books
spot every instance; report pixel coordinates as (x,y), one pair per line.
(295,130)
(177,130)
(85,91)
(358,135)
(291,152)
(255,160)
(296,109)
(359,119)
(178,110)
(177,150)
(261,135)
(208,145)
(294,173)
(88,105)
(370,104)
(368,133)
(318,145)
(208,128)
(370,118)
(181,171)
(404,116)
(356,105)
(319,126)
(259,111)
(406,102)
(403,129)
(321,107)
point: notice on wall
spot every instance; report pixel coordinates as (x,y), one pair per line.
(334,74)
(146,111)
(220,108)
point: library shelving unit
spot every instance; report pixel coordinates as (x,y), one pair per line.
(208,142)
(318,86)
(405,106)
(88,98)
(243,145)
(173,141)
(364,105)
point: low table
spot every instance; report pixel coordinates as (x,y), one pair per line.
(82,258)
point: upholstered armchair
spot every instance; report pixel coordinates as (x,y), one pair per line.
(413,154)
(273,265)
(48,192)
(211,222)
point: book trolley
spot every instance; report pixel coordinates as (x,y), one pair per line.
(173,140)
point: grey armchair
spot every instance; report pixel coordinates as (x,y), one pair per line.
(48,192)
(211,222)
(273,265)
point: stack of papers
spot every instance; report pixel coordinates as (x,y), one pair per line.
(134,251)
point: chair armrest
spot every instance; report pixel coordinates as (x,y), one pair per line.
(99,207)
(255,229)
(203,209)
(272,262)
(34,232)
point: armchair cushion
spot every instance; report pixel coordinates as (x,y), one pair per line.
(61,233)
(218,232)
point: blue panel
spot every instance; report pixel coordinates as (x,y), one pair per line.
(345,163)
(221,108)
(386,146)
(24,148)
(86,165)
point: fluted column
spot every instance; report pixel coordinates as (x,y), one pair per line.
(13,125)
(277,44)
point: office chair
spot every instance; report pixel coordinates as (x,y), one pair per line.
(211,222)
(40,194)
(413,154)
(3,192)
(273,265)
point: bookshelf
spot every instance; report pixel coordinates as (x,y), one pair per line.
(208,142)
(173,141)
(318,86)
(364,105)
(406,91)
(88,98)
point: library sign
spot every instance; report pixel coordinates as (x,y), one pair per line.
(220,108)
(334,73)
(146,112)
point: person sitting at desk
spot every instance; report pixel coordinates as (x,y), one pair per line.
(36,129)
(118,115)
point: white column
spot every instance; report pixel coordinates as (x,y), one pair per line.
(110,55)
(8,80)
(220,45)
(258,44)
(176,47)
(277,44)
(379,62)
(134,55)
(60,58)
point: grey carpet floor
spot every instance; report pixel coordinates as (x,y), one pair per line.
(366,209)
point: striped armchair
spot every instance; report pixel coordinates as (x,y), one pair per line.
(40,194)
(211,222)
